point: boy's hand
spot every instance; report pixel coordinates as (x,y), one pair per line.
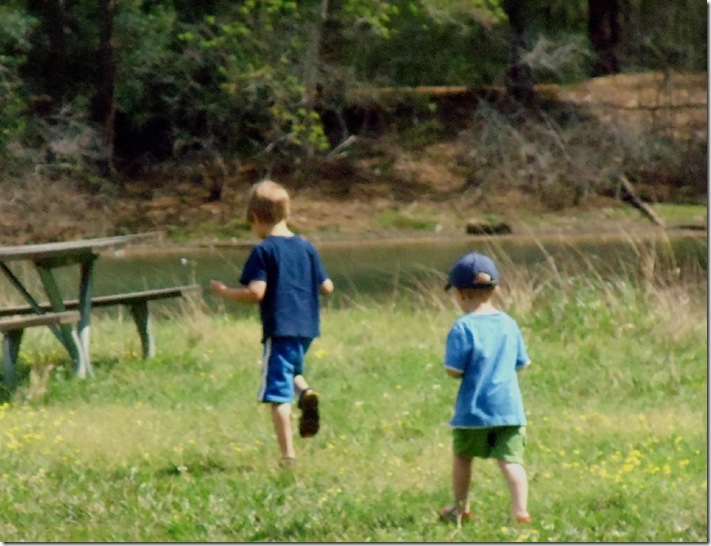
(217,287)
(326,287)
(251,294)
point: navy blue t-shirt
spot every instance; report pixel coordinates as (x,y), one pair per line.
(293,271)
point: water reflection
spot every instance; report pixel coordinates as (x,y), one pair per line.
(369,269)
(372,269)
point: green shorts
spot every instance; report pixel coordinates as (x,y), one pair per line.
(500,443)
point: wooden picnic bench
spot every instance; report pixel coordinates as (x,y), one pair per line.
(137,302)
(12,329)
(47,258)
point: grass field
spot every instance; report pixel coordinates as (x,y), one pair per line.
(177,449)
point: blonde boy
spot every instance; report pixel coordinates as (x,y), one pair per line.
(285,276)
(485,350)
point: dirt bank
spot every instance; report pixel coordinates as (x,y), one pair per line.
(384,190)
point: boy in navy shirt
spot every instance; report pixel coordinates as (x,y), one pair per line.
(285,276)
(485,350)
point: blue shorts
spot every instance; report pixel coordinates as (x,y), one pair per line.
(283,359)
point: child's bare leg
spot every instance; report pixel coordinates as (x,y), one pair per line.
(281,417)
(300,385)
(461,478)
(517,480)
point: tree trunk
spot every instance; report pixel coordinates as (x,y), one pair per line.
(104,107)
(330,91)
(519,76)
(312,62)
(604,34)
(53,17)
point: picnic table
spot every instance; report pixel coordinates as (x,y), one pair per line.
(47,257)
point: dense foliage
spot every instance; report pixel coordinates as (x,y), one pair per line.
(239,78)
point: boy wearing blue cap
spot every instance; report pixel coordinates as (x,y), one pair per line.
(485,350)
(285,276)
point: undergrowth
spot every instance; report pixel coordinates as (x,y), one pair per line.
(177,449)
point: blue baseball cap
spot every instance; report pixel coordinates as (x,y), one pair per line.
(473,270)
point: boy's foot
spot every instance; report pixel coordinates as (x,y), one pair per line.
(309,420)
(524,519)
(449,513)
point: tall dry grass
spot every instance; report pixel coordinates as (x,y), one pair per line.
(178,449)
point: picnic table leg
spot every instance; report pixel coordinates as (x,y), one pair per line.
(67,335)
(84,326)
(10,350)
(20,288)
(28,297)
(139,311)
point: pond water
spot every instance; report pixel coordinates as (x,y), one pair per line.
(373,268)
(368,269)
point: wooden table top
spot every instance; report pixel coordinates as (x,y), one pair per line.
(70,249)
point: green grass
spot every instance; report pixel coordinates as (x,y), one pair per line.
(404,220)
(687,214)
(177,449)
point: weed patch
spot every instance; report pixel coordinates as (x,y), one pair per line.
(178,449)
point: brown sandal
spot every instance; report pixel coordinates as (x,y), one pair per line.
(309,422)
(449,513)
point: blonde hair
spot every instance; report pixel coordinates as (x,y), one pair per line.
(268,201)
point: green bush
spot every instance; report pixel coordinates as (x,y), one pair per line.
(15,28)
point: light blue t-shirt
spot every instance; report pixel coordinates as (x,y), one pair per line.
(488,349)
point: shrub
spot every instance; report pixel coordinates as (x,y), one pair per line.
(15,27)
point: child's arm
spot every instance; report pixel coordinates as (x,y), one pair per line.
(523,366)
(253,293)
(327,287)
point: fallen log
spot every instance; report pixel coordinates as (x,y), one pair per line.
(630,196)
(475,227)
